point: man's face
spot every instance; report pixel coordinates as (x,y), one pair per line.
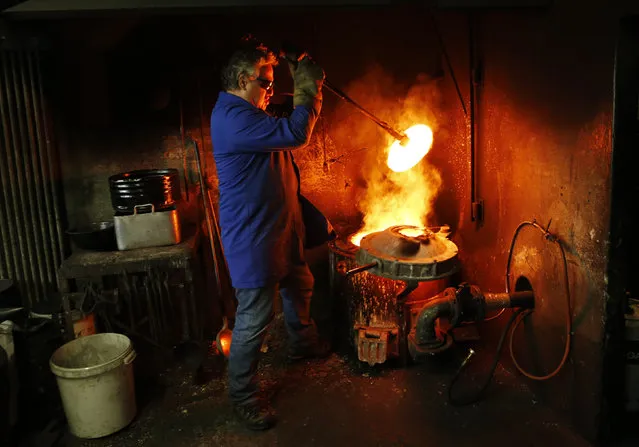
(259,89)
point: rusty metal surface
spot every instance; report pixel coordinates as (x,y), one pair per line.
(30,229)
(376,345)
(403,255)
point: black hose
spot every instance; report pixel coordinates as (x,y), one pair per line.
(468,400)
(521,312)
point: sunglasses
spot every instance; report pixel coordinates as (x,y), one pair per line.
(266,84)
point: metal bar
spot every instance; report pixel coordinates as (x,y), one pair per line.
(28,199)
(383,124)
(53,177)
(10,241)
(47,221)
(361,268)
(185,167)
(28,277)
(447,59)
(523,299)
(4,234)
(8,266)
(210,215)
(471,66)
(497,300)
(476,205)
(32,179)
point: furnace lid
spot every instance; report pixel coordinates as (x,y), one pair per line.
(409,253)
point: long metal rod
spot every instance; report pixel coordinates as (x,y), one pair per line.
(51,159)
(6,265)
(40,167)
(401,136)
(209,222)
(442,45)
(35,180)
(15,180)
(31,227)
(473,124)
(185,168)
(383,124)
(209,213)
(11,265)
(361,268)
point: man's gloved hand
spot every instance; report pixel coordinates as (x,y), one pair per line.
(308,78)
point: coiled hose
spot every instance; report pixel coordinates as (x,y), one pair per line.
(514,322)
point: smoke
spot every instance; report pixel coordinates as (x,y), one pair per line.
(390,198)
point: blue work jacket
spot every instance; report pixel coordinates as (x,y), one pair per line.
(261,217)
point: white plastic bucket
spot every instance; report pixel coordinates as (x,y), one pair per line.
(95,378)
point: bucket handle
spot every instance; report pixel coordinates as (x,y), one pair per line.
(129,358)
(136,207)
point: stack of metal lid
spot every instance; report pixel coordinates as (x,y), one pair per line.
(145,204)
(157,187)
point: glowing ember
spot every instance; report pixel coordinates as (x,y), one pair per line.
(402,158)
(225,344)
(412,232)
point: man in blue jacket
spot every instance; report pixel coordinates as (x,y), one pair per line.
(260,214)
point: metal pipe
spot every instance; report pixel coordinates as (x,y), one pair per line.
(211,217)
(361,268)
(33,180)
(6,270)
(185,168)
(47,216)
(447,304)
(496,300)
(401,136)
(473,125)
(440,38)
(523,299)
(50,156)
(15,181)
(209,223)
(28,228)
(439,306)
(9,268)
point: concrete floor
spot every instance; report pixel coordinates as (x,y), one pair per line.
(338,402)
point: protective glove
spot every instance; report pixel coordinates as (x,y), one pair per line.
(308,78)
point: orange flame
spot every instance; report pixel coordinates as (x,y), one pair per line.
(393,194)
(402,158)
(399,197)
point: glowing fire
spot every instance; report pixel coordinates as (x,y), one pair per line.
(400,197)
(400,183)
(402,158)
(412,232)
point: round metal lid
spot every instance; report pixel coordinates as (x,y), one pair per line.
(409,253)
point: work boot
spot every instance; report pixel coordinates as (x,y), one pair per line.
(255,415)
(319,350)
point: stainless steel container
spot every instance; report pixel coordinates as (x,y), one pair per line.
(142,230)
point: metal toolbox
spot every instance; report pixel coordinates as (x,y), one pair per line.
(141,230)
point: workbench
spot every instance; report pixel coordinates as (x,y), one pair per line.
(98,267)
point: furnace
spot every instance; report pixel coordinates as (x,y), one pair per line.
(386,280)
(397,285)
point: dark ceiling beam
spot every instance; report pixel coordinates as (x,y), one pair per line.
(5,4)
(53,8)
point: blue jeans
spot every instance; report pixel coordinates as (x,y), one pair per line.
(254,313)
